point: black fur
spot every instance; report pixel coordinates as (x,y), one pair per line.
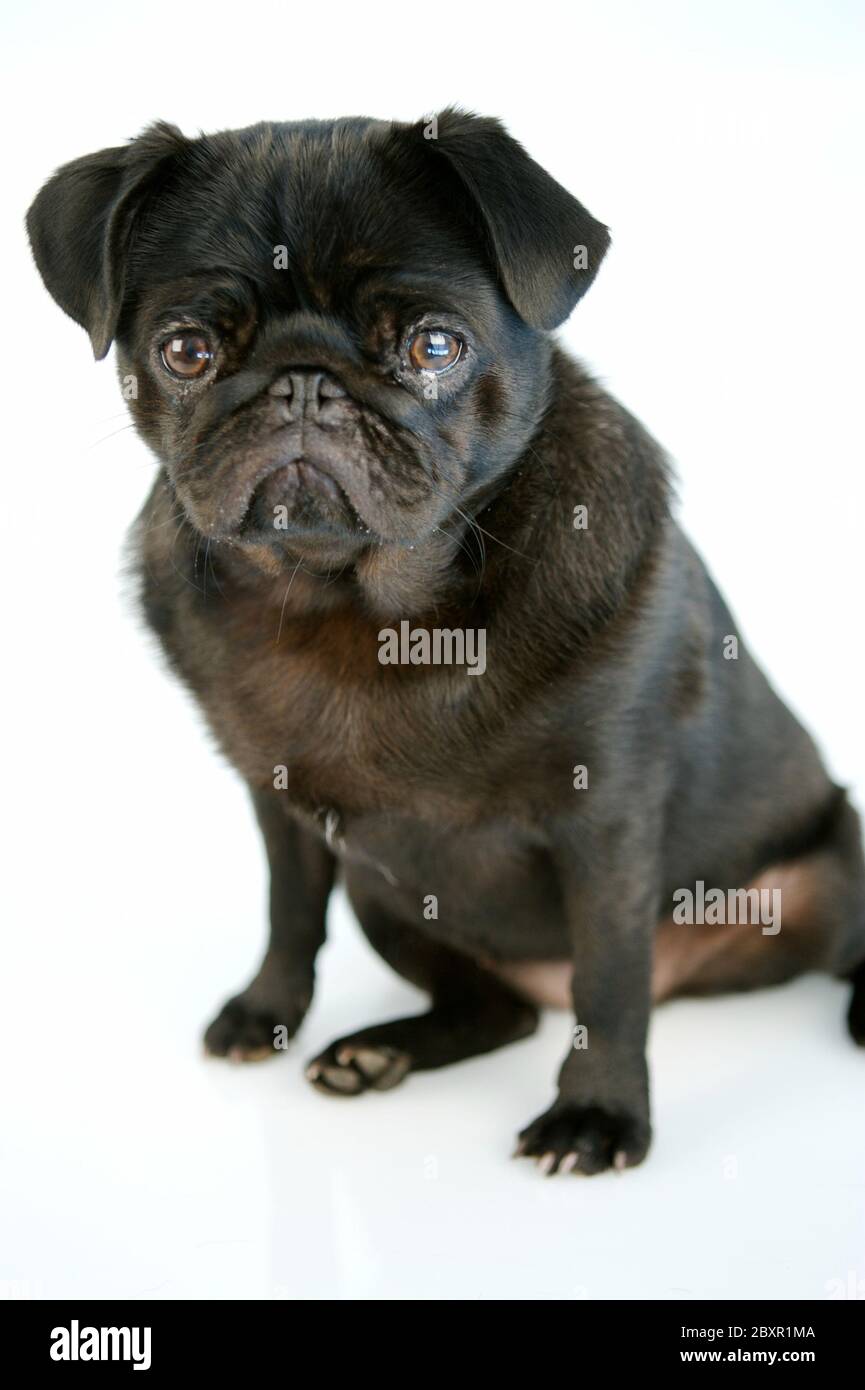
(311,256)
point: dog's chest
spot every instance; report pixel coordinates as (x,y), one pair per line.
(394,774)
(423,781)
(305,706)
(367,751)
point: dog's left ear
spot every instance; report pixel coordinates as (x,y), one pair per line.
(81,223)
(546,246)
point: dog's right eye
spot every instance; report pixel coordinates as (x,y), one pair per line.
(187,354)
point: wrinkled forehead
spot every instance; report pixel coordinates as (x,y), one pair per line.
(313,215)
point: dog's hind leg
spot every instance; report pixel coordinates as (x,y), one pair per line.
(472,1012)
(821,927)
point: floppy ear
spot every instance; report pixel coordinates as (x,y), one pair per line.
(80,227)
(546,246)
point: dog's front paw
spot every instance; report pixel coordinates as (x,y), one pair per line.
(246,1030)
(354,1065)
(570,1138)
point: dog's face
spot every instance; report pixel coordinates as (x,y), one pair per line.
(332,335)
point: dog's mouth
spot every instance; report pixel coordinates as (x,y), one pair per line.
(308,485)
(293,483)
(295,497)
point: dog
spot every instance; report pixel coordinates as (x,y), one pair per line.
(376,465)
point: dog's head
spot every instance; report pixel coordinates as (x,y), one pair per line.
(332,334)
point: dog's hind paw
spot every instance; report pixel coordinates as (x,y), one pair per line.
(352,1066)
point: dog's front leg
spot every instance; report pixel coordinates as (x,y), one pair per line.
(273,1005)
(600,1118)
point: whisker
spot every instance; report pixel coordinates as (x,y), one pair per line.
(285,599)
(112,435)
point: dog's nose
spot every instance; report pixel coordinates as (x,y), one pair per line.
(306,392)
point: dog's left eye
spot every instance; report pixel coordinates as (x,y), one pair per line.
(187,354)
(434,351)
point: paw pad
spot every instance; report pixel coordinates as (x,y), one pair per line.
(349,1068)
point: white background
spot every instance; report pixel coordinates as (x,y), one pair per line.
(722,143)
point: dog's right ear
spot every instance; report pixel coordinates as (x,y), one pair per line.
(81,222)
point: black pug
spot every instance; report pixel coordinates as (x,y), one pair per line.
(421,573)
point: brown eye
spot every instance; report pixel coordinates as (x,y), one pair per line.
(187,354)
(434,351)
